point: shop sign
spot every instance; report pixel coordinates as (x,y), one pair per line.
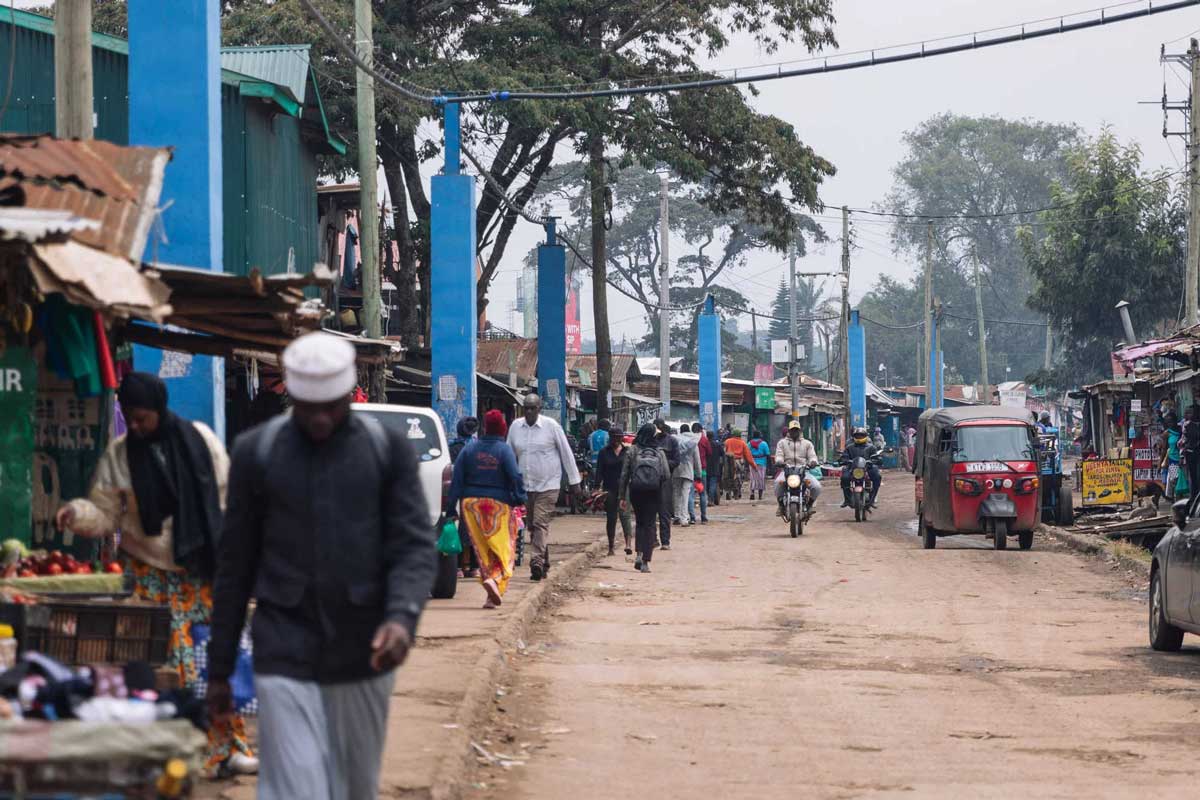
(1145,465)
(764,398)
(1107,481)
(18,387)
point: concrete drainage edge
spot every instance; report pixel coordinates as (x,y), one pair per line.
(1095,547)
(492,665)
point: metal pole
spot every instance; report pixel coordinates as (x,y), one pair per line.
(664,296)
(73,69)
(368,193)
(1049,345)
(1193,250)
(793,373)
(928,312)
(983,365)
(754,334)
(846,315)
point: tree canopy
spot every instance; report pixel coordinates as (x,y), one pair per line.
(1115,233)
(972,174)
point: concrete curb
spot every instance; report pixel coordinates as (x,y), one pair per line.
(491,667)
(1095,546)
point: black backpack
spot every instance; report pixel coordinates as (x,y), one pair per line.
(647,470)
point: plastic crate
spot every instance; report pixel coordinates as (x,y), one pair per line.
(99,633)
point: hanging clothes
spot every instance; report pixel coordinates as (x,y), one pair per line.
(349,256)
(71,344)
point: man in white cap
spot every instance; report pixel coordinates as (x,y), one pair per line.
(324,529)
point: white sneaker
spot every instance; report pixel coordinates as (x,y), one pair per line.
(242,764)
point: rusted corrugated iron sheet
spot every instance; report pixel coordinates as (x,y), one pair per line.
(493,358)
(117,186)
(624,369)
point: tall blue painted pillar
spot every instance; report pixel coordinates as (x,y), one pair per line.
(935,363)
(454,320)
(858,371)
(710,366)
(552,326)
(175,101)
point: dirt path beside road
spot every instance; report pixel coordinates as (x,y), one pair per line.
(848,663)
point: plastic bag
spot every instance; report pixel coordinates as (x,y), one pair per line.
(448,543)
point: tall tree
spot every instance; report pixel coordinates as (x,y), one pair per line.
(1116,233)
(738,158)
(970,174)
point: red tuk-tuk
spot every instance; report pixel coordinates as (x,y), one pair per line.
(976,472)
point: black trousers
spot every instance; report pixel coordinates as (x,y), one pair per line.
(613,515)
(666,510)
(876,479)
(646,507)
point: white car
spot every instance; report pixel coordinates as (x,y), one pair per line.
(423,429)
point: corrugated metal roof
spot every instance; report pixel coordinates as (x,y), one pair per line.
(117,186)
(621,366)
(492,357)
(36,224)
(284,65)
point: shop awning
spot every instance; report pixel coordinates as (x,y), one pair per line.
(95,279)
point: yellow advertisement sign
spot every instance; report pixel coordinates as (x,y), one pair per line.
(1107,481)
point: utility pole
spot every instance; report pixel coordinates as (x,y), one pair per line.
(368,194)
(1193,247)
(1049,345)
(983,367)
(928,311)
(845,343)
(73,69)
(664,296)
(754,334)
(793,373)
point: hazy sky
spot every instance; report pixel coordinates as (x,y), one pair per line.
(856,119)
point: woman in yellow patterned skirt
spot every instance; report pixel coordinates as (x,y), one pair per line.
(162,487)
(487,485)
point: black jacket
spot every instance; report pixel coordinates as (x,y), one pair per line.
(608,466)
(670,446)
(330,542)
(855,450)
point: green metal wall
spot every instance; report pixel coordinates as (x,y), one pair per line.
(31,106)
(269,173)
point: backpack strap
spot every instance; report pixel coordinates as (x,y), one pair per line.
(266,441)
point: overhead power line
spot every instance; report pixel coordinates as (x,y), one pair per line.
(1021,33)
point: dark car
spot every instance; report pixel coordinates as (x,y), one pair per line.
(1175,582)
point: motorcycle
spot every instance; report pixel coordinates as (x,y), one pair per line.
(797,500)
(861,486)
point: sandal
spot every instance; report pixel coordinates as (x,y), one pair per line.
(493,593)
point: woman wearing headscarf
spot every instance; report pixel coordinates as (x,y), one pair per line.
(487,485)
(161,489)
(644,477)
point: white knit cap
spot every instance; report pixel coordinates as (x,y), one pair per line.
(319,368)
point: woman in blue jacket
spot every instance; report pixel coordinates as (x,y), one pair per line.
(761,452)
(487,485)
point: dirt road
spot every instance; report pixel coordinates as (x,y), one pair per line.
(848,663)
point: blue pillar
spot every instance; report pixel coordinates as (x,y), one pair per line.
(858,371)
(934,372)
(941,378)
(175,101)
(454,320)
(552,326)
(710,366)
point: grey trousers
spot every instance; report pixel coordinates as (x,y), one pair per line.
(321,742)
(540,510)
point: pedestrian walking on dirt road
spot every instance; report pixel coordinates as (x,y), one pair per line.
(609,465)
(665,440)
(645,478)
(324,529)
(486,487)
(162,486)
(544,455)
(684,476)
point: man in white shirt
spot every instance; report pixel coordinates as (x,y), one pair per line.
(543,454)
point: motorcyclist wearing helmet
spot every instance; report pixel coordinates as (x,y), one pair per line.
(795,451)
(860,447)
